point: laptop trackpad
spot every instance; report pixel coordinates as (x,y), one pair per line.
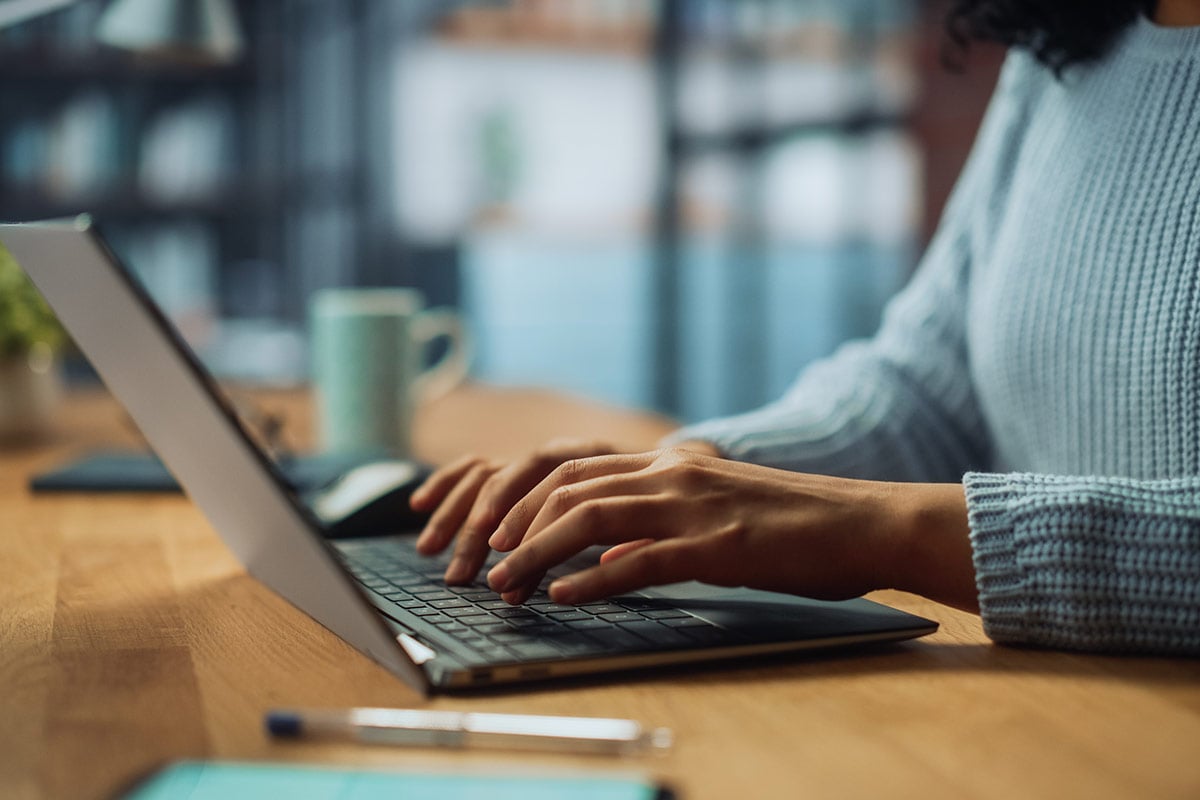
(759,614)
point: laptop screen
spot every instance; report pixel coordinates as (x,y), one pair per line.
(194,430)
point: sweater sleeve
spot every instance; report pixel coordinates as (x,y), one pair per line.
(1101,564)
(900,406)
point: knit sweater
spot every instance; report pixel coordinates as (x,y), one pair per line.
(1048,346)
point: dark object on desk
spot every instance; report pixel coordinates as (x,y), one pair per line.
(369,500)
(122,471)
(358,494)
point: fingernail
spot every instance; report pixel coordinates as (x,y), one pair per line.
(499,578)
(563,591)
(498,540)
(423,540)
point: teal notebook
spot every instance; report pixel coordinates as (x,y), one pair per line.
(229,780)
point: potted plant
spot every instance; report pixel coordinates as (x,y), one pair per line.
(30,338)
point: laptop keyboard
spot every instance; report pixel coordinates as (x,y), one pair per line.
(476,618)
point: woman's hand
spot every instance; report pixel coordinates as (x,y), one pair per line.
(469,497)
(674,515)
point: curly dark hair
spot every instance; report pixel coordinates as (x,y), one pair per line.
(1058,32)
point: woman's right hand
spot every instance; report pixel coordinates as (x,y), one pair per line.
(470,496)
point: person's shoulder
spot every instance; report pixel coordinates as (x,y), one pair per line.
(1023,77)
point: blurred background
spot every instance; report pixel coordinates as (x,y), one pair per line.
(671,205)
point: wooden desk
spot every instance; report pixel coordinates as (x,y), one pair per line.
(129,636)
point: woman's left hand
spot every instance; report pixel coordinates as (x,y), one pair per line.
(675,515)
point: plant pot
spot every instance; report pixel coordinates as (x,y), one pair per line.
(30,392)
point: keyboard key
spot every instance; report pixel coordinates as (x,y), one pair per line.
(666,613)
(454,602)
(461,611)
(639,603)
(408,581)
(429,597)
(470,639)
(623,616)
(515,612)
(569,616)
(477,619)
(549,608)
(447,623)
(492,605)
(602,608)
(591,623)
(426,612)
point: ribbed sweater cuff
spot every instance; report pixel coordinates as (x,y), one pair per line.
(1003,595)
(1087,563)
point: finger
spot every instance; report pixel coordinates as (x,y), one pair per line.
(516,522)
(616,551)
(446,521)
(505,489)
(610,520)
(657,564)
(471,547)
(561,500)
(430,494)
(520,596)
(516,480)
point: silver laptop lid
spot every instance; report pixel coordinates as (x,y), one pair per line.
(175,403)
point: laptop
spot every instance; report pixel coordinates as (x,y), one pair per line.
(375,592)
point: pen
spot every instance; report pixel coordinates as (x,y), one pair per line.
(455,729)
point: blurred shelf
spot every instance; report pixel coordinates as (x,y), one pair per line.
(753,139)
(43,65)
(126,205)
(249,200)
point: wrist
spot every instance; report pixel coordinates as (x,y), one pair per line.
(699,446)
(931,547)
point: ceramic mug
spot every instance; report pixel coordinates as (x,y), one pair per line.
(368,365)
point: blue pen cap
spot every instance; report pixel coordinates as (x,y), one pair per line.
(283,724)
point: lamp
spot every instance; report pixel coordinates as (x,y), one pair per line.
(205,31)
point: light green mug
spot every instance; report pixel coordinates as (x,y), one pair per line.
(368,365)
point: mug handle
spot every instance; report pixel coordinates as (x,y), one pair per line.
(451,369)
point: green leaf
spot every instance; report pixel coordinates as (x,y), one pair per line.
(25,319)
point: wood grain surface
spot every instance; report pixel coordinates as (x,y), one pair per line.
(130,637)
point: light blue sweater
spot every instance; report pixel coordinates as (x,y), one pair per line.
(1049,347)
